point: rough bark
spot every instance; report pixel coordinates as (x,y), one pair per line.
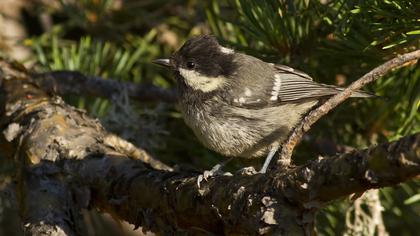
(66,164)
(275,203)
(46,202)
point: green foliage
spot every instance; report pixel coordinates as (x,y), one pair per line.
(270,27)
(95,57)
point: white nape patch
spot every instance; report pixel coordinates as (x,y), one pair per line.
(226,50)
(276,88)
(248,92)
(201,82)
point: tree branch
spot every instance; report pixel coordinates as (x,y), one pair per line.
(75,83)
(46,203)
(241,204)
(294,138)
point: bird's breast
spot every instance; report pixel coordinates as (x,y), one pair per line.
(231,132)
(225,135)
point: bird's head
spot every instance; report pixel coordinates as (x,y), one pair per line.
(201,64)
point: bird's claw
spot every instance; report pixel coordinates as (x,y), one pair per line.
(216,170)
(207,174)
(247,171)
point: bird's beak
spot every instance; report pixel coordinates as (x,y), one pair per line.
(163,62)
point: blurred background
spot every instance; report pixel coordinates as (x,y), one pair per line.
(335,42)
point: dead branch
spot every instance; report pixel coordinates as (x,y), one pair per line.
(294,138)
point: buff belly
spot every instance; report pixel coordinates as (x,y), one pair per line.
(239,132)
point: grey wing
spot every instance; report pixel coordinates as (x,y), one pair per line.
(290,70)
(297,85)
(285,85)
(294,88)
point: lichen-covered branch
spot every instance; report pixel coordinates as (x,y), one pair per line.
(61,152)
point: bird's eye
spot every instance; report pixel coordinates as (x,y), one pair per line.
(190,65)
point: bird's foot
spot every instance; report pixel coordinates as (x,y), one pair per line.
(215,171)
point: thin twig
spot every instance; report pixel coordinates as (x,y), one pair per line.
(297,134)
(129,149)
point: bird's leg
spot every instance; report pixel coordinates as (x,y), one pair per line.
(268,159)
(216,170)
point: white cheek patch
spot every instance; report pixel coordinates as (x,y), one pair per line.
(201,82)
(226,50)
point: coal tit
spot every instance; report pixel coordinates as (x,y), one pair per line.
(239,105)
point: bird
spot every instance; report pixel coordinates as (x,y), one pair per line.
(238,105)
